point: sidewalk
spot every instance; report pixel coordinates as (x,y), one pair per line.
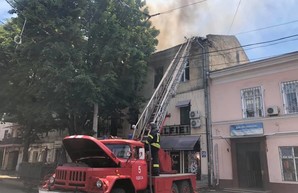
(202,186)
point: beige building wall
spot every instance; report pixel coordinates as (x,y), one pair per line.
(201,60)
(225,51)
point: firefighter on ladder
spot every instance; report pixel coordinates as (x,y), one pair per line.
(153,140)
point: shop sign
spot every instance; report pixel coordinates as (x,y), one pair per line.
(247,129)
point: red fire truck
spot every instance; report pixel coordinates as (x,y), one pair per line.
(113,166)
(122,165)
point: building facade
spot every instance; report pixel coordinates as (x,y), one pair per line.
(185,131)
(47,149)
(10,146)
(254,115)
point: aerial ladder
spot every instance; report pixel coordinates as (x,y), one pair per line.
(156,109)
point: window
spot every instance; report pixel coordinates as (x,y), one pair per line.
(175,155)
(289,163)
(35,156)
(252,102)
(184,115)
(185,74)
(158,76)
(120,150)
(6,134)
(290,96)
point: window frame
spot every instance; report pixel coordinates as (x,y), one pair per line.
(285,99)
(293,158)
(244,102)
(184,115)
(185,77)
(121,150)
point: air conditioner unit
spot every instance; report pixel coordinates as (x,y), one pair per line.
(194,114)
(272,110)
(195,123)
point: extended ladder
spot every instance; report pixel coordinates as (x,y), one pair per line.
(155,111)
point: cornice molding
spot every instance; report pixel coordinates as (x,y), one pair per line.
(254,120)
(273,65)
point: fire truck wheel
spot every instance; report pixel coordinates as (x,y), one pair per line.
(118,190)
(174,188)
(184,187)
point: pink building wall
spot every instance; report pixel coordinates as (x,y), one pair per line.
(226,110)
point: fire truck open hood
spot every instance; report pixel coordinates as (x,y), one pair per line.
(82,146)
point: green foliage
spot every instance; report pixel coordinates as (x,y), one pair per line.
(73,54)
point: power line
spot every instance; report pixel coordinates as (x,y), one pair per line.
(258,43)
(243,61)
(177,8)
(267,27)
(234,16)
(240,33)
(272,44)
(218,52)
(9,3)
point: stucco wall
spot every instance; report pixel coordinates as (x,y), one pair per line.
(226,97)
(226,109)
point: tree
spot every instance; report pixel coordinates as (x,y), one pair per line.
(73,55)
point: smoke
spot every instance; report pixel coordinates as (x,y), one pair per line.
(175,24)
(216,16)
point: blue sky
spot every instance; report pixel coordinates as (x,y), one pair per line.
(205,17)
(4,7)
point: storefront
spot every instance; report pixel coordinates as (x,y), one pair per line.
(185,153)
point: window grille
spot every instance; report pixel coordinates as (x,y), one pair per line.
(252,102)
(290,95)
(289,163)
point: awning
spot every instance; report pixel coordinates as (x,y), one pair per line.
(185,103)
(180,142)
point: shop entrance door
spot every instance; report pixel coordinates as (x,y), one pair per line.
(249,165)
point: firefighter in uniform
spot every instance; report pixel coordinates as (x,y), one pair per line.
(153,140)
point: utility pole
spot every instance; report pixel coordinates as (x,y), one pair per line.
(95,119)
(202,43)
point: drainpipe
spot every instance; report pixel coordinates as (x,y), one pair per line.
(207,112)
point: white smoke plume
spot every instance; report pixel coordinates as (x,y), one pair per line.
(216,17)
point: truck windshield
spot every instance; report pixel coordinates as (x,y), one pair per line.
(120,150)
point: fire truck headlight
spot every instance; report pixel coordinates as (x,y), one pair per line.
(98,183)
(52,180)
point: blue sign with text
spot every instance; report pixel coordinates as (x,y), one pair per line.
(247,129)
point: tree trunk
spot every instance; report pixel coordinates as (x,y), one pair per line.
(26,141)
(95,119)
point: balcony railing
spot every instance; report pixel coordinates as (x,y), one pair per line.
(176,130)
(11,140)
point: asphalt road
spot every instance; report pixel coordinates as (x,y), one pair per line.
(15,186)
(8,188)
